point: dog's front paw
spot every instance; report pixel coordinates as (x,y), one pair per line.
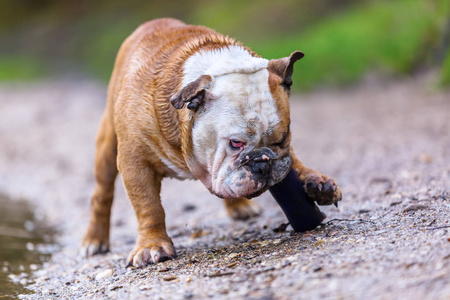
(242,209)
(95,241)
(322,189)
(151,251)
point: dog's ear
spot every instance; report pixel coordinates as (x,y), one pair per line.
(193,94)
(284,67)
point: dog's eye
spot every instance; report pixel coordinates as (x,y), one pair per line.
(281,143)
(236,145)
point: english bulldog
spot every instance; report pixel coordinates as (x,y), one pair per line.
(189,103)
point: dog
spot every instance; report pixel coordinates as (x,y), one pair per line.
(189,103)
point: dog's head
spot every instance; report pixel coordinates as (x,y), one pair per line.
(241,135)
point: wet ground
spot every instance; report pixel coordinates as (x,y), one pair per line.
(24,246)
(387,145)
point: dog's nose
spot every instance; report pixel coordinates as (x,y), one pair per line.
(261,165)
(261,168)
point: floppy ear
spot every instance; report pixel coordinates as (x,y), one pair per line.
(193,94)
(284,67)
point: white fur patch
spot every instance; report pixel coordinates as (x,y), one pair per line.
(227,60)
(239,77)
(241,101)
(180,173)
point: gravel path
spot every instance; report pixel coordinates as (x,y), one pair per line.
(388,146)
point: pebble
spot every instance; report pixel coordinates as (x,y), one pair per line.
(114,287)
(414,207)
(285,263)
(170,278)
(104,274)
(425,158)
(30,246)
(320,242)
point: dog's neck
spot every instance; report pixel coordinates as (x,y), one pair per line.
(227,60)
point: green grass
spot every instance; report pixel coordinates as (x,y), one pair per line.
(445,72)
(393,37)
(21,68)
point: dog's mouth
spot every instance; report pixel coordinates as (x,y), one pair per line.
(251,175)
(257,193)
(229,193)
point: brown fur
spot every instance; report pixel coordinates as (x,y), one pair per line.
(140,129)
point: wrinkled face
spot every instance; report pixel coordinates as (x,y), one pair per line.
(241,136)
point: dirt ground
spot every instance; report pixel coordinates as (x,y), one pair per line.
(387,145)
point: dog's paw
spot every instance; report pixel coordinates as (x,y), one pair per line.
(242,209)
(94,242)
(151,251)
(323,190)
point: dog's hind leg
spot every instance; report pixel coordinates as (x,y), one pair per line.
(241,208)
(96,239)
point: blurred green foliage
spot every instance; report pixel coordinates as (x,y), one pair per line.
(392,38)
(445,73)
(19,67)
(343,39)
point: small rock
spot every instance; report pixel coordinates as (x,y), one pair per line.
(414,207)
(285,263)
(425,158)
(113,287)
(30,246)
(320,242)
(281,228)
(163,270)
(170,278)
(74,288)
(198,233)
(317,269)
(29,226)
(104,274)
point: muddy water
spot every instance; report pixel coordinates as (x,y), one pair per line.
(24,244)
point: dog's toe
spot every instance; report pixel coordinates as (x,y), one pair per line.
(152,253)
(323,190)
(93,247)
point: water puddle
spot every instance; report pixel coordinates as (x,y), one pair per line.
(25,244)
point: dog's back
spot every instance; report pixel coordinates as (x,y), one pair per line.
(147,72)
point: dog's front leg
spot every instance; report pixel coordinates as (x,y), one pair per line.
(321,188)
(143,187)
